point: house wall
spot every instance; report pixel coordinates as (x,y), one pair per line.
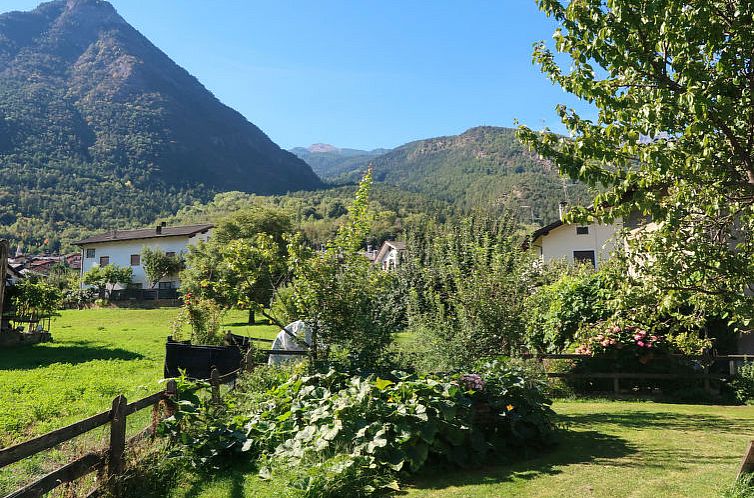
(562,241)
(120,254)
(390,260)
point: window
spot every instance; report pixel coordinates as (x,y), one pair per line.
(170,254)
(582,230)
(584,257)
(135,260)
(104,260)
(166,285)
(90,253)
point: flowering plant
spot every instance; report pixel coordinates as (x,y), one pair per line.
(615,337)
(472,382)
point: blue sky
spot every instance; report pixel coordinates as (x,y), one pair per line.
(358,73)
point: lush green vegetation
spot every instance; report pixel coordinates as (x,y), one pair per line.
(483,168)
(610,449)
(671,140)
(96,355)
(83,147)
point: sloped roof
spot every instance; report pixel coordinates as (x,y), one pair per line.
(146,233)
(545,229)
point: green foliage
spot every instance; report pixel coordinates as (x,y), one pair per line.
(83,147)
(243,261)
(482,168)
(742,488)
(203,316)
(672,140)
(366,429)
(105,278)
(341,295)
(158,265)
(555,312)
(743,383)
(35,299)
(468,281)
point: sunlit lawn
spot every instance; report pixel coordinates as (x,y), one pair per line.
(96,355)
(608,449)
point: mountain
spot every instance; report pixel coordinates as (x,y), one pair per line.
(484,167)
(101,129)
(329,161)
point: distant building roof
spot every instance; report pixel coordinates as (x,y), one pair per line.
(396,244)
(146,233)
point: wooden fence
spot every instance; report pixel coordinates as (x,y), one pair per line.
(704,374)
(110,460)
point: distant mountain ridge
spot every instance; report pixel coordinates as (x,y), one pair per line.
(484,167)
(101,129)
(329,161)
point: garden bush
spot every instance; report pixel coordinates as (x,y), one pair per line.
(361,432)
(202,317)
(743,383)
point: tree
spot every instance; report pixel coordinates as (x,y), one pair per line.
(673,84)
(243,260)
(468,282)
(342,296)
(105,278)
(158,264)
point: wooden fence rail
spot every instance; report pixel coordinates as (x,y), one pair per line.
(111,459)
(705,375)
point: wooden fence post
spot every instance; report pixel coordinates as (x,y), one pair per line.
(747,462)
(115,461)
(616,385)
(248,361)
(214,380)
(171,390)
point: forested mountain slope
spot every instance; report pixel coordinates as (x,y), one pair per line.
(483,168)
(99,129)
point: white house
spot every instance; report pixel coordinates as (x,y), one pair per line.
(123,248)
(389,255)
(591,243)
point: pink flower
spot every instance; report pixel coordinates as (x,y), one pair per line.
(616,329)
(605,343)
(637,337)
(649,344)
(600,337)
(640,344)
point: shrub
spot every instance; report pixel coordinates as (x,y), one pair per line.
(555,312)
(357,433)
(203,317)
(743,383)
(468,282)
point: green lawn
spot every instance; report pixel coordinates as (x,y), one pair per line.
(610,449)
(607,449)
(96,355)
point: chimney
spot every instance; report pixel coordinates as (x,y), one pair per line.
(562,208)
(158,230)
(164,224)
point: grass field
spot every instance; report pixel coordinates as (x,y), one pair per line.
(96,355)
(609,449)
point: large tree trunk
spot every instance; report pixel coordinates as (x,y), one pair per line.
(252,318)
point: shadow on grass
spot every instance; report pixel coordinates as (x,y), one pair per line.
(42,355)
(574,447)
(233,477)
(648,419)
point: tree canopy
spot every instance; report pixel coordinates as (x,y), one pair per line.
(673,84)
